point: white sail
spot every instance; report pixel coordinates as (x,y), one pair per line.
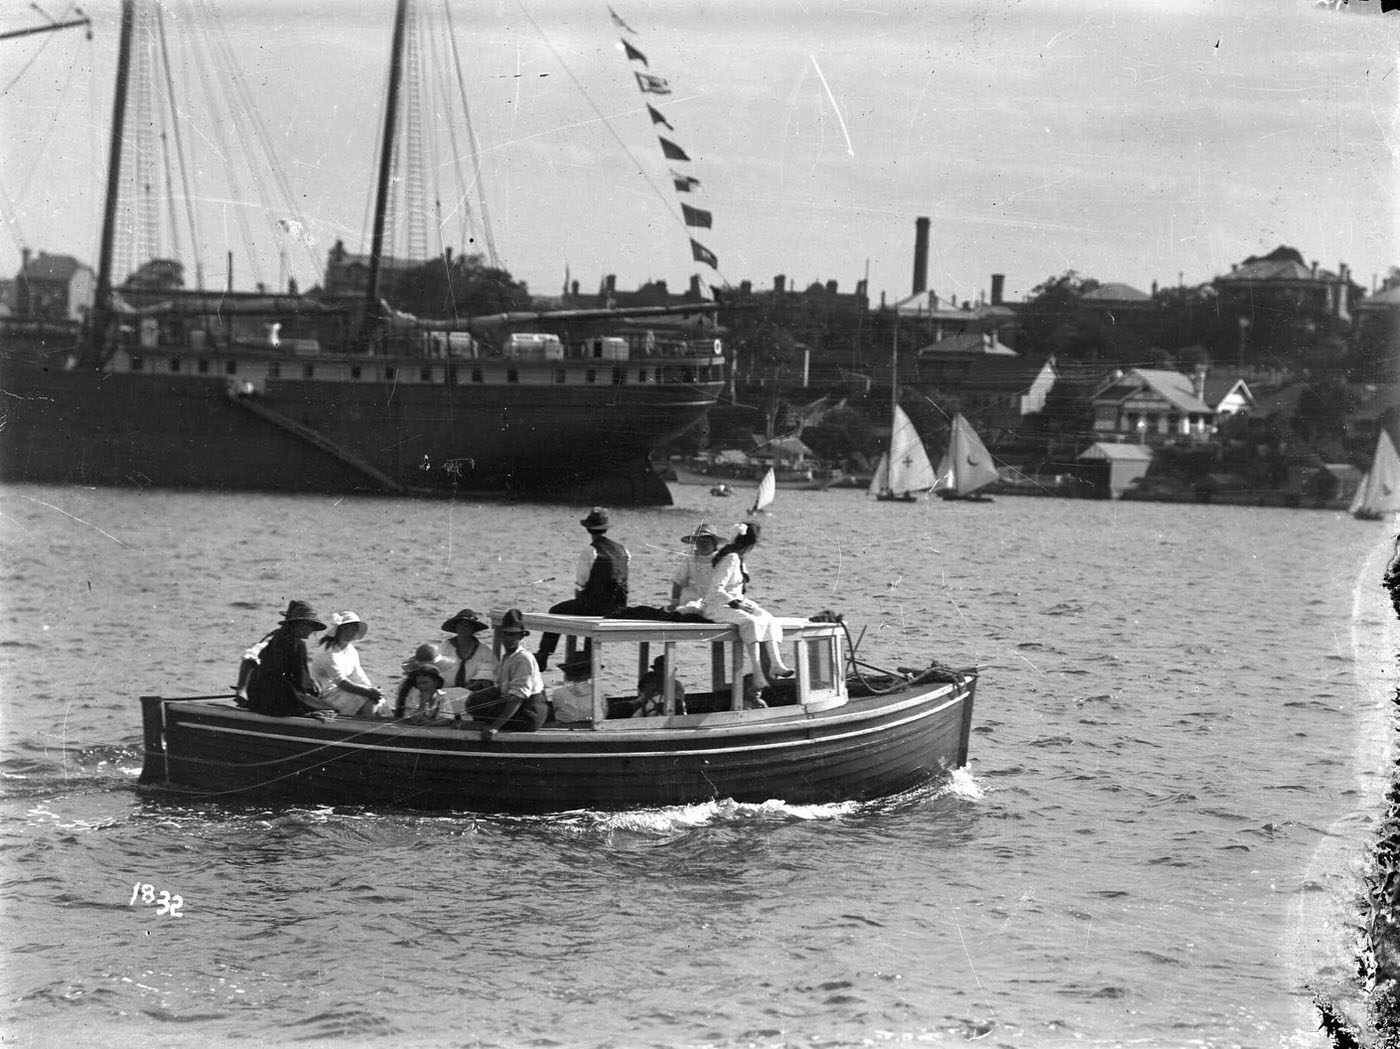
(966,466)
(764,493)
(909,467)
(1379,493)
(881,481)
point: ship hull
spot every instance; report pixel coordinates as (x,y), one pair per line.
(112,428)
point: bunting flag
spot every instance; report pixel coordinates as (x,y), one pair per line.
(652,85)
(695,216)
(671,150)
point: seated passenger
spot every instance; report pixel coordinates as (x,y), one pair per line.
(280,684)
(335,667)
(421,697)
(517,700)
(572,702)
(651,691)
(467,665)
(691,580)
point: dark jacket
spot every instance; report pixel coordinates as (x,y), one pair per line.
(277,684)
(606,589)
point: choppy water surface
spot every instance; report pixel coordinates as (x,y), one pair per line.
(1177,759)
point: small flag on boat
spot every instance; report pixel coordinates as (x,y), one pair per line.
(684,183)
(652,85)
(671,150)
(657,118)
(617,21)
(695,216)
(634,54)
(700,253)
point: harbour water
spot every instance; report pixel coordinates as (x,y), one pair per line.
(1181,747)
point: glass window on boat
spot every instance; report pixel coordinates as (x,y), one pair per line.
(425,374)
(274,370)
(356,371)
(203,366)
(641,375)
(137,363)
(308,371)
(560,376)
(590,376)
(619,376)
(452,375)
(174,364)
(230,367)
(390,372)
(476,375)
(821,664)
(512,375)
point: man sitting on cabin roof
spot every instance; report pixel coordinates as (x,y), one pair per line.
(600,581)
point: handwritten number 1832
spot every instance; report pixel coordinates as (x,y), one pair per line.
(165,903)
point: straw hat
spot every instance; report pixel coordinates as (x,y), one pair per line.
(704,531)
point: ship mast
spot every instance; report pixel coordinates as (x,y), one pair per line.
(100,318)
(373,319)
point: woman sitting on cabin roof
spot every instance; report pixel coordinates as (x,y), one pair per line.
(724,602)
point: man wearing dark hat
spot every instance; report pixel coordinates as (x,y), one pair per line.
(517,700)
(600,580)
(691,580)
(281,684)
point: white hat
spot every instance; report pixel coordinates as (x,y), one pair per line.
(339,619)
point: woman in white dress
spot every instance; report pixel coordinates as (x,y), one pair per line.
(724,602)
(335,666)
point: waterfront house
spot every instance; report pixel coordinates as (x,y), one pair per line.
(992,384)
(1153,406)
(54,288)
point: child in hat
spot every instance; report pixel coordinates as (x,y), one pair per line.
(421,695)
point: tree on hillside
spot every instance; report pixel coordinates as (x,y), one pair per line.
(1054,319)
(462,287)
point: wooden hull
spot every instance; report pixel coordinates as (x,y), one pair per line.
(863,749)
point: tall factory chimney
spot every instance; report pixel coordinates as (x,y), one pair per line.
(920,255)
(998,285)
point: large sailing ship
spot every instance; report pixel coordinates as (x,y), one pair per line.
(306,392)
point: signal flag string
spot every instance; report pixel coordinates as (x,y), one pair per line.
(648,83)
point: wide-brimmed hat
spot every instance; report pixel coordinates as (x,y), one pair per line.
(513,623)
(412,670)
(467,616)
(577,664)
(596,521)
(300,612)
(340,619)
(704,531)
(427,653)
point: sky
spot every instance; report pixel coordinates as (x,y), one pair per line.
(1127,140)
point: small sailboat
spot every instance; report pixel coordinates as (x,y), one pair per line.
(763,494)
(966,467)
(1379,492)
(904,472)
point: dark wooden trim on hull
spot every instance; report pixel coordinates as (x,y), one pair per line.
(864,749)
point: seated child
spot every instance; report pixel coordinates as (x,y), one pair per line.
(651,691)
(420,694)
(572,702)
